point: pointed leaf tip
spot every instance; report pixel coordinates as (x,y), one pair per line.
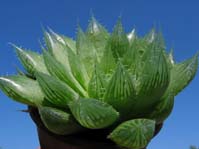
(182,74)
(118,42)
(150,37)
(171,59)
(93,26)
(22,89)
(98,36)
(31,61)
(118,28)
(53,37)
(131,35)
(57,36)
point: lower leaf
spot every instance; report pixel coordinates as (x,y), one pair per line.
(92,113)
(58,121)
(22,89)
(134,134)
(163,109)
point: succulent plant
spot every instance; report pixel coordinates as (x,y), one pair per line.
(102,80)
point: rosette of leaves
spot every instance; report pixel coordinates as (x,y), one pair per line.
(101,80)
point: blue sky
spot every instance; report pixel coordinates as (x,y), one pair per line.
(21,22)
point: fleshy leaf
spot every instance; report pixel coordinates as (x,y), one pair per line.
(98,35)
(32,61)
(118,42)
(163,109)
(22,89)
(78,69)
(182,74)
(131,59)
(70,43)
(56,91)
(65,40)
(59,71)
(152,76)
(120,92)
(58,50)
(86,51)
(67,57)
(97,84)
(92,113)
(58,121)
(133,134)
(107,63)
(95,29)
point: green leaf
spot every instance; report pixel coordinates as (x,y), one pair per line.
(132,58)
(163,109)
(108,63)
(66,41)
(86,51)
(56,91)
(67,57)
(98,35)
(22,89)
(95,29)
(78,69)
(120,92)
(97,84)
(134,134)
(58,121)
(57,70)
(152,77)
(70,43)
(118,42)
(32,61)
(58,50)
(92,113)
(182,74)
(155,37)
(150,37)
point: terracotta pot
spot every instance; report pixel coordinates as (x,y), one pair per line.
(94,139)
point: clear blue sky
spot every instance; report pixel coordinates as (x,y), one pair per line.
(21,21)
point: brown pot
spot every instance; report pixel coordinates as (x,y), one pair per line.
(95,139)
